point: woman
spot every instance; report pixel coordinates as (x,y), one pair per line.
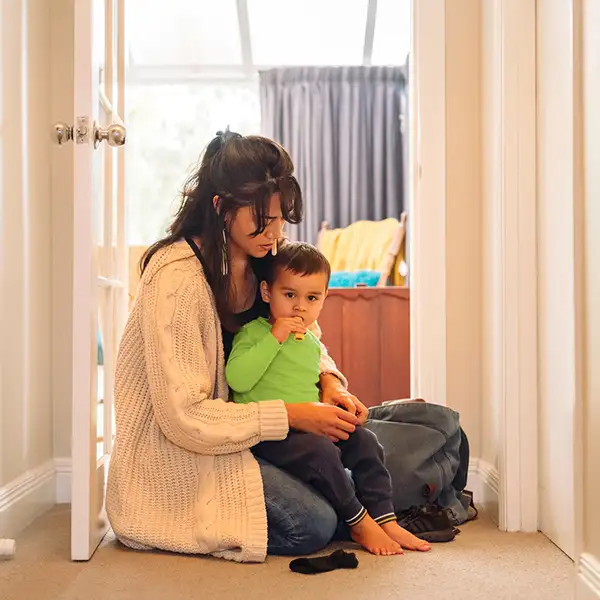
(182,477)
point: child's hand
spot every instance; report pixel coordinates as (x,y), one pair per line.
(283,328)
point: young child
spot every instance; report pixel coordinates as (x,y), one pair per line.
(279,358)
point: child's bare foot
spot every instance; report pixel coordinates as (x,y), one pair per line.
(405,538)
(373,538)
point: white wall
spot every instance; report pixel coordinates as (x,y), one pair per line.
(463,215)
(61,109)
(26,436)
(590,517)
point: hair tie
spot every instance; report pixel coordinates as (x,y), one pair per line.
(224,134)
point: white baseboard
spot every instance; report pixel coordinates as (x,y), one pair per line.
(588,577)
(27,497)
(63,480)
(484,482)
(33,493)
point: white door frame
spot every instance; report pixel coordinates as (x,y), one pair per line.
(516,28)
(427,170)
(514,242)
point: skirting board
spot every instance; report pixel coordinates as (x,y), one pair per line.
(588,578)
(484,482)
(63,480)
(26,497)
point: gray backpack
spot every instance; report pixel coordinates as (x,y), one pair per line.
(426,453)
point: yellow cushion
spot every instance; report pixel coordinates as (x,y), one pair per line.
(362,245)
(328,240)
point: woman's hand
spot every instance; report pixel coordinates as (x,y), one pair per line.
(328,421)
(335,394)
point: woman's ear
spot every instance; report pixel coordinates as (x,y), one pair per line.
(216,203)
(264,292)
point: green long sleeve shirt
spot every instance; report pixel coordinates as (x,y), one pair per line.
(260,368)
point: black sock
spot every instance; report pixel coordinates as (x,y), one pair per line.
(322,564)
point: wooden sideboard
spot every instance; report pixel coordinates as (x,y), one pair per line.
(367,333)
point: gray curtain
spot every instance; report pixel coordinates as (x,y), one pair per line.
(342,128)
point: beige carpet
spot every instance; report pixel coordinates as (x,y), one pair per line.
(482,563)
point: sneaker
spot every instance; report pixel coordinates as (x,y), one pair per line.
(430,523)
(468,504)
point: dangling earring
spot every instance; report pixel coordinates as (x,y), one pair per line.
(274,248)
(224,260)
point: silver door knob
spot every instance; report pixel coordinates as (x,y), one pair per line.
(61,133)
(115,135)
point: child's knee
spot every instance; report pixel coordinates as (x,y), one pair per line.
(367,440)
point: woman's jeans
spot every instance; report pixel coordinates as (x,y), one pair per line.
(299,520)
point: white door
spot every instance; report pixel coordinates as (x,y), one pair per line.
(99,257)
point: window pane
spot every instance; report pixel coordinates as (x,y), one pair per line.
(183,32)
(310,32)
(168,125)
(392,32)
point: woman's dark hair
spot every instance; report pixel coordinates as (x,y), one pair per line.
(300,258)
(243,171)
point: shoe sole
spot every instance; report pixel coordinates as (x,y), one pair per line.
(437,537)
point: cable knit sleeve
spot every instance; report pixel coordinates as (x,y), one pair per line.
(177,310)
(327,363)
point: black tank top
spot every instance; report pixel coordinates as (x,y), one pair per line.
(258,309)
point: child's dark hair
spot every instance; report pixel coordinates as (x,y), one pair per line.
(300,258)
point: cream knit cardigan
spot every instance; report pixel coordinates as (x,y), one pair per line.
(181,476)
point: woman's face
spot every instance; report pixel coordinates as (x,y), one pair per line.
(243,226)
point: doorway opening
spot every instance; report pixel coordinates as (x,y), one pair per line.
(336,98)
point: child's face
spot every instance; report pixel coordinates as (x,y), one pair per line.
(294,295)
